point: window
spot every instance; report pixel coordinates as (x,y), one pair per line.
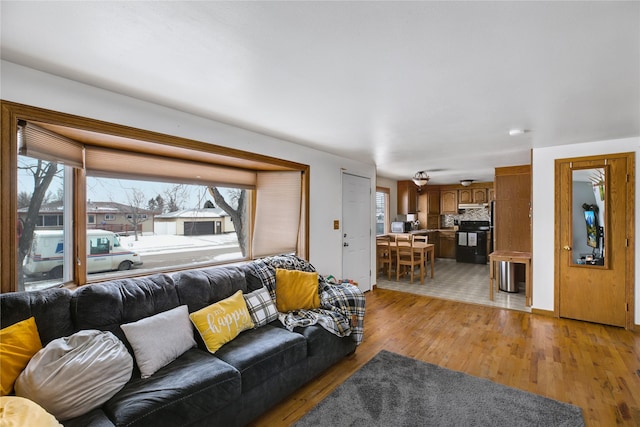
(41,260)
(215,224)
(168,224)
(99,245)
(382,210)
(48,220)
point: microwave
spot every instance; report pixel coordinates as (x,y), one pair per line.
(401,226)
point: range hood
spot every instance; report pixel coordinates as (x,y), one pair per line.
(472,205)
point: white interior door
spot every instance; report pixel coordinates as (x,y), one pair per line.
(356,230)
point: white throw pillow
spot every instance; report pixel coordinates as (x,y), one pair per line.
(158,340)
(71,376)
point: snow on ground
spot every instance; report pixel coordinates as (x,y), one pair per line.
(163,243)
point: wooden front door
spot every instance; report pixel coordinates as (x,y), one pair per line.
(594,238)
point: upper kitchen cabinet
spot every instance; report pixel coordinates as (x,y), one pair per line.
(448,202)
(407,197)
(433,205)
(479,195)
(429,208)
(491,194)
(472,195)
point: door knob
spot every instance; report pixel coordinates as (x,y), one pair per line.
(567,248)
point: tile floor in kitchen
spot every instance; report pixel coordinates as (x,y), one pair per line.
(459,282)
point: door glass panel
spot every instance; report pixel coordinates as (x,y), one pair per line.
(589,219)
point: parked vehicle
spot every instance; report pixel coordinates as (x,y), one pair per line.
(104,253)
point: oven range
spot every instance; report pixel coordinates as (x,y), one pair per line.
(471,241)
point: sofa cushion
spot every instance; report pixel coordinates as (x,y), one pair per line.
(159,339)
(200,288)
(95,418)
(261,353)
(105,306)
(322,343)
(190,388)
(50,307)
(18,343)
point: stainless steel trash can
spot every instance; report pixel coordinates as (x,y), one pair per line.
(508,277)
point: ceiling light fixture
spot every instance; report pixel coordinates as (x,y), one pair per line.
(466,182)
(515,132)
(421,178)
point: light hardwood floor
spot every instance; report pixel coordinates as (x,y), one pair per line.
(592,366)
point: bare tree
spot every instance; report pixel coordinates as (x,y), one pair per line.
(43,173)
(236,209)
(137,213)
(175,197)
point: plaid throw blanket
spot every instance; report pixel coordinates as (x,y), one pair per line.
(342,306)
(341,311)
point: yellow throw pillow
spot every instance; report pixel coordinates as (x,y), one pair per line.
(296,290)
(18,411)
(18,343)
(221,322)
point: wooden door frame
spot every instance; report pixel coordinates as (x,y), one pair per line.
(630,230)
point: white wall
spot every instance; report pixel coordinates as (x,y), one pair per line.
(32,87)
(544,209)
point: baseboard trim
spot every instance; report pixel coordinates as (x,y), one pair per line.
(540,312)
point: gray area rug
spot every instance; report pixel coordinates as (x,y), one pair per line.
(394,390)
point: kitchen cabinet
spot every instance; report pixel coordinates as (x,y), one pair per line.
(433,205)
(491,194)
(447,244)
(448,202)
(434,237)
(433,222)
(472,195)
(429,209)
(479,195)
(407,197)
(512,220)
(465,196)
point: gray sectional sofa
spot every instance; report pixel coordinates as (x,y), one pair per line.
(235,385)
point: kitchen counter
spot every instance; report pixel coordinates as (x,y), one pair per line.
(430,230)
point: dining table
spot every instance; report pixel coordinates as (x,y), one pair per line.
(425,250)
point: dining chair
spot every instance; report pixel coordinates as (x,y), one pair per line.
(383,248)
(422,239)
(406,256)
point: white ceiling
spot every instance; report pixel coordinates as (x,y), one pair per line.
(406,85)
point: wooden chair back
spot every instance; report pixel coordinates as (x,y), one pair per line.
(384,255)
(406,256)
(422,239)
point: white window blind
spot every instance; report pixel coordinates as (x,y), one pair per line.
(278,211)
(40,143)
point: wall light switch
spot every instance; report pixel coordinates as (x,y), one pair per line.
(336,224)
